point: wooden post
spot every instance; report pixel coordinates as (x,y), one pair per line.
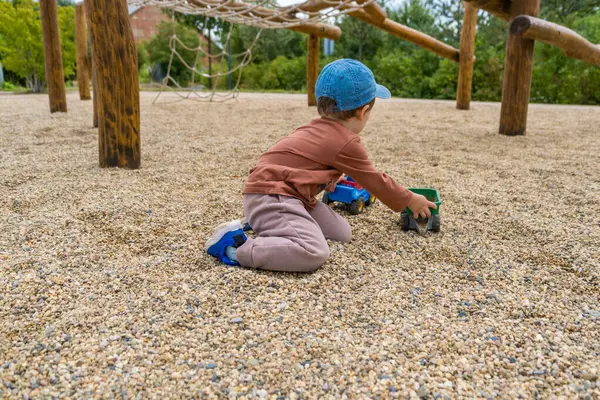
(573,44)
(92,67)
(312,68)
(467,58)
(83,79)
(518,70)
(118,92)
(55,77)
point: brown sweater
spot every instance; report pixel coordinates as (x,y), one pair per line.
(302,164)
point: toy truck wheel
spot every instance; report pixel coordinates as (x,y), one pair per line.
(405,221)
(437,223)
(325,198)
(357,206)
(371,200)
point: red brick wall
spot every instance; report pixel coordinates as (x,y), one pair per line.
(145,21)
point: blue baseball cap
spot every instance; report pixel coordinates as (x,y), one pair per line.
(350,84)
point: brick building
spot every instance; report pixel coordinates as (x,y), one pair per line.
(145,21)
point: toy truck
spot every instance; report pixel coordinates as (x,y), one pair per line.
(350,193)
(420,224)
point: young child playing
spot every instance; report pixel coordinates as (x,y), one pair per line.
(292,226)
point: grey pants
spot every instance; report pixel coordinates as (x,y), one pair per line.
(290,238)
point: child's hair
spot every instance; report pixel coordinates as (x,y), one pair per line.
(326,107)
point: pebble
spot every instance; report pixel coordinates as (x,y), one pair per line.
(237,320)
(590,377)
(104,343)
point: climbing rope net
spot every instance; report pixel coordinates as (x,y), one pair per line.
(262,13)
(307,17)
(196,91)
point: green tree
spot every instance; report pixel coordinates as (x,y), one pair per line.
(449,16)
(406,68)
(359,40)
(558,78)
(66,21)
(490,50)
(270,44)
(21,42)
(561,10)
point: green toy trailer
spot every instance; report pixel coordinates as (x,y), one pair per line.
(422,225)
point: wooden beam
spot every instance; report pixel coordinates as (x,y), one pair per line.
(467,58)
(83,79)
(499,8)
(92,66)
(573,44)
(115,61)
(421,39)
(55,78)
(312,68)
(518,70)
(411,35)
(374,11)
(320,30)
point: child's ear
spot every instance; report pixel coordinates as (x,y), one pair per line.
(363,112)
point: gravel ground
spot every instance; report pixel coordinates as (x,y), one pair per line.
(105,290)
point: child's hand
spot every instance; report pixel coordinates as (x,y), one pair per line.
(331,187)
(420,206)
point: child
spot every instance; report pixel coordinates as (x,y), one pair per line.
(279,195)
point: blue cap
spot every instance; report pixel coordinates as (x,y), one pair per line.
(350,84)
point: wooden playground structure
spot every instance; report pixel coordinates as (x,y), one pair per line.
(115,75)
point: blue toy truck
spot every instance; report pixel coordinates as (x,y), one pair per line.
(350,193)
